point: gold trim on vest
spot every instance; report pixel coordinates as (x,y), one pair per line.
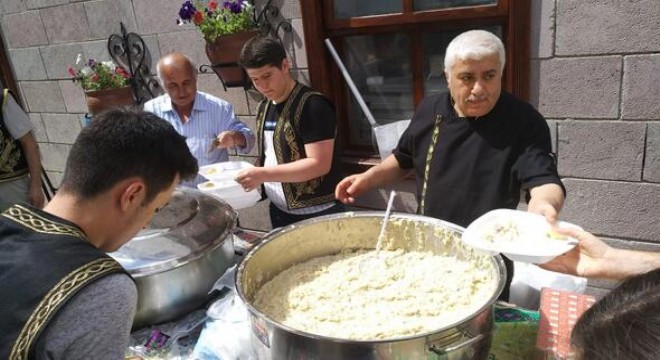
(38,223)
(59,294)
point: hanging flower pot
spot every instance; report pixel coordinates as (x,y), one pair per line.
(99,100)
(223,54)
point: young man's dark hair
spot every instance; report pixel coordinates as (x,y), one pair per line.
(624,324)
(133,131)
(262,51)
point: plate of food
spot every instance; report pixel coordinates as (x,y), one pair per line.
(520,235)
(226,170)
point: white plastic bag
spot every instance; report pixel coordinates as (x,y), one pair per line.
(529,279)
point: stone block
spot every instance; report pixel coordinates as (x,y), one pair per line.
(97,50)
(580,87)
(55,177)
(158,17)
(211,84)
(299,44)
(61,128)
(607,27)
(39,4)
(43,96)
(106,16)
(66,23)
(27,64)
(74,96)
(601,150)
(254,97)
(289,9)
(152,52)
(189,42)
(542,32)
(617,209)
(58,59)
(652,159)
(24,30)
(39,129)
(552,124)
(54,156)
(302,76)
(641,86)
(12,6)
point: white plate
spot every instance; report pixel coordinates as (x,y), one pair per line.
(520,235)
(226,170)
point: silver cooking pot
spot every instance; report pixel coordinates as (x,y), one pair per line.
(469,338)
(177,259)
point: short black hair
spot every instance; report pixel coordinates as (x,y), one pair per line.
(261,51)
(624,324)
(122,143)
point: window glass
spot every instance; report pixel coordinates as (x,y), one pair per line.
(435,44)
(380,68)
(345,9)
(444,4)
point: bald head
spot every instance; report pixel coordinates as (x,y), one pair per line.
(175,61)
(178,76)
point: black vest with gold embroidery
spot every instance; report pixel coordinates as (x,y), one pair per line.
(289,146)
(13,163)
(44,262)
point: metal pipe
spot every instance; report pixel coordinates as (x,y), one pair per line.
(350,83)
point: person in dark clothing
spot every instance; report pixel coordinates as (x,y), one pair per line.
(296,137)
(62,296)
(471,150)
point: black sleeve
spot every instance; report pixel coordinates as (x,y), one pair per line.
(318,120)
(537,164)
(405,149)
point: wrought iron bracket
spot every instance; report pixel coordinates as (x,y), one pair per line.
(128,50)
(266,20)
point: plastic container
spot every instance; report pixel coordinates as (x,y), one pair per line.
(520,235)
(231,192)
(223,171)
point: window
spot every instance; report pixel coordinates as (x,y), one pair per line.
(394,53)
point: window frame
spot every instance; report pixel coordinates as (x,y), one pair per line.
(319,24)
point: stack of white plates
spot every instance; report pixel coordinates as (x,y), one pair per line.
(221,183)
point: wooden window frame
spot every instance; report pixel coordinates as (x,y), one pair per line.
(319,24)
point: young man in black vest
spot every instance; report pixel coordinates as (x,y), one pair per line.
(296,138)
(62,296)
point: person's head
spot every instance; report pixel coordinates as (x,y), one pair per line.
(129,159)
(474,62)
(624,324)
(265,62)
(178,76)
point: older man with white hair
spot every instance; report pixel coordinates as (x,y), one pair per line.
(208,123)
(472,150)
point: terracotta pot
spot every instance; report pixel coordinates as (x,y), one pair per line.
(99,100)
(223,54)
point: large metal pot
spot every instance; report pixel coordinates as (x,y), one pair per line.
(326,235)
(178,258)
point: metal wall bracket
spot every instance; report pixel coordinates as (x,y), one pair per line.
(128,50)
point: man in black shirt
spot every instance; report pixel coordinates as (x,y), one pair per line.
(296,130)
(472,150)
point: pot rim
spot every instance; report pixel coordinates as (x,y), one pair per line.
(499,264)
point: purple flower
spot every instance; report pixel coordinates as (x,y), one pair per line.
(91,63)
(187,10)
(235,6)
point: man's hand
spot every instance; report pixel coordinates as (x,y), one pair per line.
(546,200)
(351,187)
(230,139)
(587,259)
(251,178)
(36,196)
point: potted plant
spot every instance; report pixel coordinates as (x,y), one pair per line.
(106,84)
(225,25)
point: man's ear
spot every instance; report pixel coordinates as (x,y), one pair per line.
(132,194)
(285,65)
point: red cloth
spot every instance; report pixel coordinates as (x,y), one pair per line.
(559,311)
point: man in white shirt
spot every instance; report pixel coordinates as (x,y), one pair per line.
(208,123)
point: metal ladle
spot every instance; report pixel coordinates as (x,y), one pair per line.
(373,263)
(381,235)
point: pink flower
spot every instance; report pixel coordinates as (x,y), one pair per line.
(72,72)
